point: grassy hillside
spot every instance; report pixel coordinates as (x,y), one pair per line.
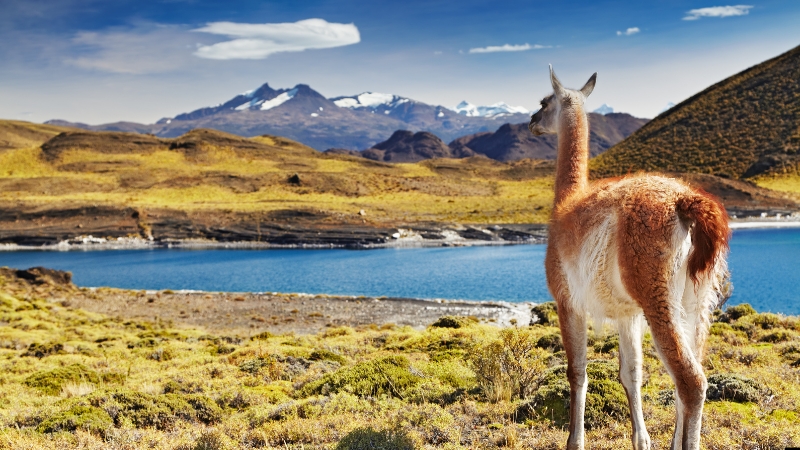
(744,126)
(210,170)
(76,379)
(19,134)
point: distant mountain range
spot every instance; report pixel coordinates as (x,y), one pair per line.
(303,114)
(744,126)
(367,121)
(511,142)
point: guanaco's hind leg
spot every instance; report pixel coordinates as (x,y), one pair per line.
(630,375)
(686,371)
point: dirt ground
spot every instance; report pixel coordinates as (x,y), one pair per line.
(247,314)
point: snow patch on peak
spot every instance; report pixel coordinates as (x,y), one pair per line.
(371,100)
(604,109)
(248,94)
(279,100)
(497,110)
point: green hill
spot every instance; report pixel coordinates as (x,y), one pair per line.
(744,126)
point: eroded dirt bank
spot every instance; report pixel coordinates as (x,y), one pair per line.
(48,225)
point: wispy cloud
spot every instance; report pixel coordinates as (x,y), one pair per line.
(718,11)
(629,31)
(508,48)
(257,41)
(141,49)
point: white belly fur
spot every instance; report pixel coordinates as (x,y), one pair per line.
(594,279)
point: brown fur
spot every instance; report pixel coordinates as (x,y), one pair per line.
(710,233)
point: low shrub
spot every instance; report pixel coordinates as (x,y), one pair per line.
(546,314)
(454,322)
(550,342)
(608,344)
(41,350)
(158,411)
(509,367)
(78,417)
(778,336)
(369,438)
(605,397)
(51,382)
(263,336)
(253,366)
(733,313)
(327,355)
(733,387)
(389,375)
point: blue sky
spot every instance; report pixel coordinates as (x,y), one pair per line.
(103,61)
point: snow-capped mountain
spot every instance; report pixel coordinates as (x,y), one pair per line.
(604,109)
(351,122)
(497,110)
(373,101)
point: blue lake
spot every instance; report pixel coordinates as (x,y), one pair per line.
(764,265)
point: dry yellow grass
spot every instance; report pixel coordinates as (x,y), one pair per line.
(788,183)
(245,180)
(73,379)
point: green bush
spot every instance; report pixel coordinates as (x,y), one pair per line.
(509,367)
(389,375)
(550,342)
(255,365)
(327,355)
(78,417)
(159,411)
(605,397)
(369,439)
(546,314)
(608,344)
(733,387)
(454,322)
(778,336)
(51,381)
(737,312)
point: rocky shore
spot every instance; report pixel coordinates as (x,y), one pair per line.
(252,313)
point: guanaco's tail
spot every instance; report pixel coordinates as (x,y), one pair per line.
(709,227)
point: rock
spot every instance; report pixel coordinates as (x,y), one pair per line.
(43,275)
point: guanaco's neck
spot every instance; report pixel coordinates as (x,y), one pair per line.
(572,165)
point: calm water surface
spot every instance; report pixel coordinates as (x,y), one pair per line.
(764,264)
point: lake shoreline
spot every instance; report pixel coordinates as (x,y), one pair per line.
(250,313)
(408,236)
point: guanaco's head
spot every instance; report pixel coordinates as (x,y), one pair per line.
(545,121)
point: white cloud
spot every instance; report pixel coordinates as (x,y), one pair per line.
(629,31)
(508,48)
(718,11)
(257,41)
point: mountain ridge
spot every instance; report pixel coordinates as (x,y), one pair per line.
(744,126)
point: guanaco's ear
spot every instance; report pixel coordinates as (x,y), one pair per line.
(589,86)
(557,87)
